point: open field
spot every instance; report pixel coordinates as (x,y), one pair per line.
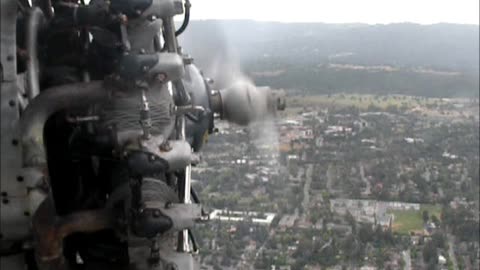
(432,107)
(411,220)
(362,101)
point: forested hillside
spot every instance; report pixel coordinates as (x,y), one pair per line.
(427,60)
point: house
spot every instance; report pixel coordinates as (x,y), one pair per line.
(442,260)
(367,267)
(287,221)
(430,227)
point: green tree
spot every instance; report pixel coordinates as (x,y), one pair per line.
(380,258)
(435,220)
(430,253)
(438,240)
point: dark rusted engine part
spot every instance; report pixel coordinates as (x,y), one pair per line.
(143,164)
(150,222)
(50,230)
(45,6)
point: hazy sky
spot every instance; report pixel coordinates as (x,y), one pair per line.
(340,11)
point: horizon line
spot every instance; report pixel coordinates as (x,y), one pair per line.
(344,23)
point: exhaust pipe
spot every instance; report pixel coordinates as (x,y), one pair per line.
(47,103)
(49,231)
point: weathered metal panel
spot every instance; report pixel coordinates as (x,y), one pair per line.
(16,184)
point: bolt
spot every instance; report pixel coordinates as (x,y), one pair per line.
(156,213)
(165,147)
(161,77)
(187,60)
(123,19)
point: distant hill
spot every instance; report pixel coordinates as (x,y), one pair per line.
(427,60)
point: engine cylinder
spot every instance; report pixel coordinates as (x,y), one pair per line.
(123,111)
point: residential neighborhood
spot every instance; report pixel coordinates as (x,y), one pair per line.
(388,185)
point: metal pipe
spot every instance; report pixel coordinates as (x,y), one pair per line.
(172,46)
(169,32)
(194,196)
(44,105)
(184,244)
(188,186)
(49,231)
(194,241)
(23,5)
(46,6)
(35,20)
(186,19)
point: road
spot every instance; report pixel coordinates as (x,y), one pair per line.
(244,263)
(451,253)
(407,260)
(259,251)
(306,188)
(367,190)
(330,177)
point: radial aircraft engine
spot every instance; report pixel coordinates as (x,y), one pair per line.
(103,116)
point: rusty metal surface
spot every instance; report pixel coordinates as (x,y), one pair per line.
(49,231)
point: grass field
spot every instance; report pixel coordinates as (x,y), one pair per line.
(412,220)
